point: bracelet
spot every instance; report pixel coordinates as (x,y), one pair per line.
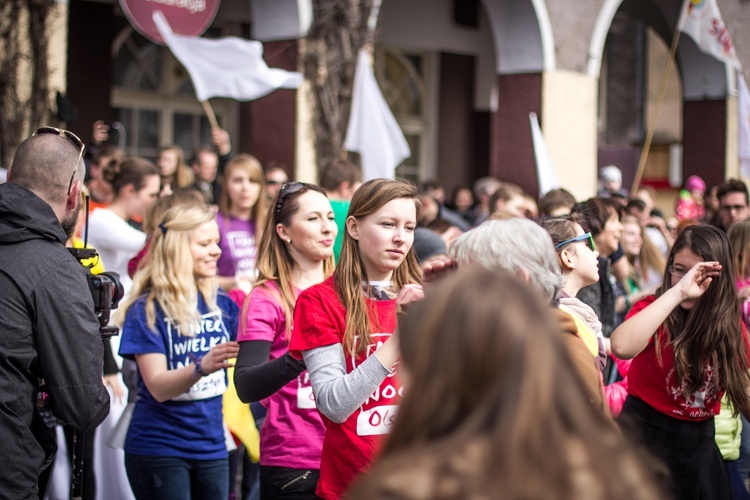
(198,368)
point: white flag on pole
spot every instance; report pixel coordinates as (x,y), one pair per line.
(743,146)
(702,20)
(545,172)
(373,131)
(226,67)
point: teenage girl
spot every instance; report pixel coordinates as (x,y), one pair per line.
(135,183)
(689,347)
(242,211)
(175,173)
(179,329)
(296,252)
(344,329)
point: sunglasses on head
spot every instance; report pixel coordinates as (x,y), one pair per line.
(287,189)
(74,140)
(586,238)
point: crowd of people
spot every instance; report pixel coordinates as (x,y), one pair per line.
(281,339)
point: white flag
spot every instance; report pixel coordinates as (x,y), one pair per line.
(702,20)
(743,146)
(373,131)
(226,67)
(545,172)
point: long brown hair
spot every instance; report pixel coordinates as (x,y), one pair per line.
(183,176)
(648,259)
(252,166)
(492,390)
(711,332)
(350,271)
(275,262)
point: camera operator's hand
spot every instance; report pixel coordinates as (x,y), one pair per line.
(218,357)
(118,391)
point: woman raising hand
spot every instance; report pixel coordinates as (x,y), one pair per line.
(689,347)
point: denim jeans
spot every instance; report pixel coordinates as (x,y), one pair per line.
(172,478)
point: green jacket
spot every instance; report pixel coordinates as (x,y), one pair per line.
(728,429)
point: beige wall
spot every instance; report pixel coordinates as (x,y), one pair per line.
(305,169)
(569,103)
(732,165)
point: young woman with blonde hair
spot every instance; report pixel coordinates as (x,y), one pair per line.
(295,252)
(344,329)
(494,406)
(242,211)
(179,329)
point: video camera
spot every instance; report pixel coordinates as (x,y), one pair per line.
(106,291)
(106,288)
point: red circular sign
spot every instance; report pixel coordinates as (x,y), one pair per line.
(186,17)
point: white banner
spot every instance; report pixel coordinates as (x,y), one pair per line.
(545,172)
(373,131)
(226,67)
(702,20)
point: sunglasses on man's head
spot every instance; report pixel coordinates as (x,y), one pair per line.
(74,140)
(586,238)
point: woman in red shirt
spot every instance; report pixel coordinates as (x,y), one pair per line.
(688,348)
(344,329)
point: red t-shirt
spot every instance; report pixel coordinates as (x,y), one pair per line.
(348,448)
(657,385)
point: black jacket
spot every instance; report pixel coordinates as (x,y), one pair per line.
(48,331)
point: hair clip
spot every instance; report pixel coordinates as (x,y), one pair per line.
(163,228)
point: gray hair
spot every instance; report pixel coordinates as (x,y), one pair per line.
(516,245)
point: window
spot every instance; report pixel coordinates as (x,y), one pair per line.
(403,80)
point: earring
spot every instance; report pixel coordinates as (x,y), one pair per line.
(289,240)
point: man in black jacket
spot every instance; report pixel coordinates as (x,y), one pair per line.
(48,331)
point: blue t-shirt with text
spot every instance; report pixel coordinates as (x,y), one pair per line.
(190,425)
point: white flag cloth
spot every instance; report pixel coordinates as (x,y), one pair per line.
(226,67)
(743,103)
(545,172)
(373,131)
(702,21)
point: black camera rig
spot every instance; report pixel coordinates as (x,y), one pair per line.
(106,288)
(106,291)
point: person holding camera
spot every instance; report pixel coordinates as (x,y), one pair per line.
(50,347)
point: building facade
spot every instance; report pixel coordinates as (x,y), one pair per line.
(461,77)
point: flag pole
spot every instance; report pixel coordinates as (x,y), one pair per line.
(210,114)
(655,115)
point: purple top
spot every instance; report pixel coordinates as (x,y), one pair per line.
(292,433)
(238,245)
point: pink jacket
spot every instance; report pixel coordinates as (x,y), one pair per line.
(616,393)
